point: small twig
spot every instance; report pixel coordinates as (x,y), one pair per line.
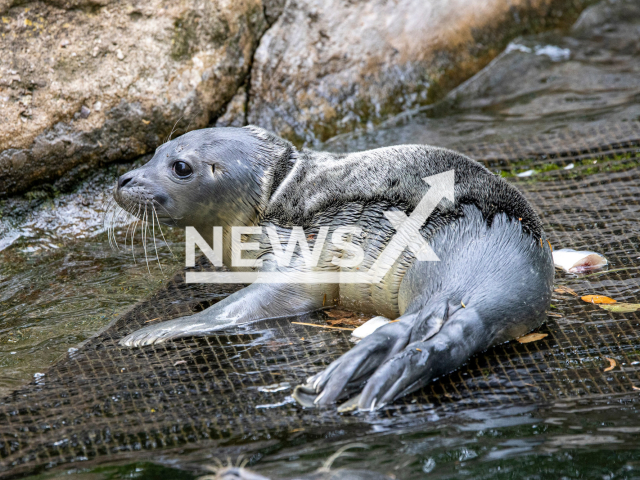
(323,326)
(152,320)
(604,272)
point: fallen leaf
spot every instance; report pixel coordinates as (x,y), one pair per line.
(635,388)
(146,122)
(354,321)
(337,313)
(554,315)
(597,299)
(563,289)
(532,337)
(612,364)
(622,307)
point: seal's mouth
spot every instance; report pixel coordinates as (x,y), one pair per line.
(133,200)
(139,202)
(133,207)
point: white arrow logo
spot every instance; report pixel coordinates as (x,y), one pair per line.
(408,228)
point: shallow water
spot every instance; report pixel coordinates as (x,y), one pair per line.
(545,84)
(60,279)
(57,289)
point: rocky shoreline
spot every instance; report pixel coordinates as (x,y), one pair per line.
(84,83)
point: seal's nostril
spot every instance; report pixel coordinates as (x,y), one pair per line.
(124,181)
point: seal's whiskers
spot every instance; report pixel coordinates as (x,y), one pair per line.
(105,225)
(131,212)
(160,228)
(133,234)
(153,233)
(174,129)
(143,227)
(116,217)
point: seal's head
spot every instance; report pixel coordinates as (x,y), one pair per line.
(209,177)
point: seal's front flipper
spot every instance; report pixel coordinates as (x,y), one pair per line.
(258,301)
(192,325)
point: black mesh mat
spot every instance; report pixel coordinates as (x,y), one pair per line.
(105,403)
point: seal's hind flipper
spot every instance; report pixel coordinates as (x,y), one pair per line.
(420,362)
(352,369)
(348,373)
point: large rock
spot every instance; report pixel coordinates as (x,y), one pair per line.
(84,82)
(329,66)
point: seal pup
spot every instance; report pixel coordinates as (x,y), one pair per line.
(492,283)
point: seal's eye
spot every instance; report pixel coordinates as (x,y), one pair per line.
(182,169)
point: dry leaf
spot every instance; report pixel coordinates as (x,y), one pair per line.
(337,313)
(597,299)
(532,337)
(563,289)
(612,364)
(554,315)
(634,387)
(622,307)
(353,321)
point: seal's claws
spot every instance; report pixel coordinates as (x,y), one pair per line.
(388,381)
(143,338)
(172,329)
(347,374)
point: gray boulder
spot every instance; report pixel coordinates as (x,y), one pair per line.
(86,82)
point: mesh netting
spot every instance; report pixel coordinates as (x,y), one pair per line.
(104,402)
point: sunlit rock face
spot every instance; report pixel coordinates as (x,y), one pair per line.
(329,66)
(88,82)
(85,82)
